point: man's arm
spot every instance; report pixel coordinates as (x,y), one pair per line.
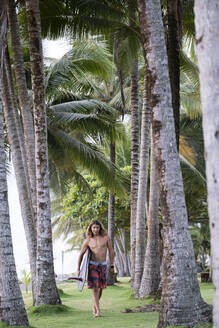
(111,254)
(81,254)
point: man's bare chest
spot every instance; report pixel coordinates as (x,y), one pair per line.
(98,243)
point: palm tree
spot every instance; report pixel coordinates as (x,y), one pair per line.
(91,113)
(111,216)
(142,190)
(26,279)
(27,144)
(12,310)
(207,47)
(47,292)
(178,255)
(24,101)
(151,274)
(77,119)
(15,136)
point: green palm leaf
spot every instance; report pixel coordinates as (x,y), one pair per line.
(88,157)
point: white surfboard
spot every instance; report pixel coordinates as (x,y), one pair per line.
(83,269)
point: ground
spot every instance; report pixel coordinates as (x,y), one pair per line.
(76,310)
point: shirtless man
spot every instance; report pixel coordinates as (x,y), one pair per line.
(98,241)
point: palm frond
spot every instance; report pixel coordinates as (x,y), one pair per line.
(88,157)
(192,143)
(85,106)
(77,18)
(188,17)
(192,167)
(189,68)
(87,56)
(94,118)
(190,87)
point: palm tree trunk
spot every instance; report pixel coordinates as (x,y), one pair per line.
(12,310)
(47,292)
(111,223)
(181,303)
(135,140)
(174,36)
(12,122)
(207,43)
(19,128)
(151,275)
(142,192)
(126,254)
(119,259)
(27,118)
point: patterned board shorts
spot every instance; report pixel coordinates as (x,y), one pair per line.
(97,275)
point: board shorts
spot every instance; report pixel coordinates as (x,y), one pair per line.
(97,275)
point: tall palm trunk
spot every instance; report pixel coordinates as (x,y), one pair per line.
(151,275)
(12,310)
(174,36)
(111,220)
(142,191)
(47,292)
(135,141)
(181,302)
(126,254)
(119,259)
(122,257)
(207,47)
(135,138)
(15,139)
(19,127)
(26,114)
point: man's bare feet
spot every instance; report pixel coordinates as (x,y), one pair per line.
(94,311)
(97,315)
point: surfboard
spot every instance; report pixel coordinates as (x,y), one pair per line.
(83,269)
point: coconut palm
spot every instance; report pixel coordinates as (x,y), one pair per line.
(207,47)
(15,137)
(47,292)
(81,123)
(12,306)
(178,255)
(151,272)
(24,101)
(142,190)
(93,119)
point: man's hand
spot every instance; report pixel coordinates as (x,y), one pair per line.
(78,272)
(111,270)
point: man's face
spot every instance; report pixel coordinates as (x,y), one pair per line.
(95,229)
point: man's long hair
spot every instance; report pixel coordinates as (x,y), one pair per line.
(102,231)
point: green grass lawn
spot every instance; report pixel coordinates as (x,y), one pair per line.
(76,310)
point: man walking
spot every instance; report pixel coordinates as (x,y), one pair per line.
(98,241)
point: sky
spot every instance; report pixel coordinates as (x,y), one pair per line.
(54,49)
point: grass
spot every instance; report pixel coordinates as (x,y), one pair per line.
(76,309)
